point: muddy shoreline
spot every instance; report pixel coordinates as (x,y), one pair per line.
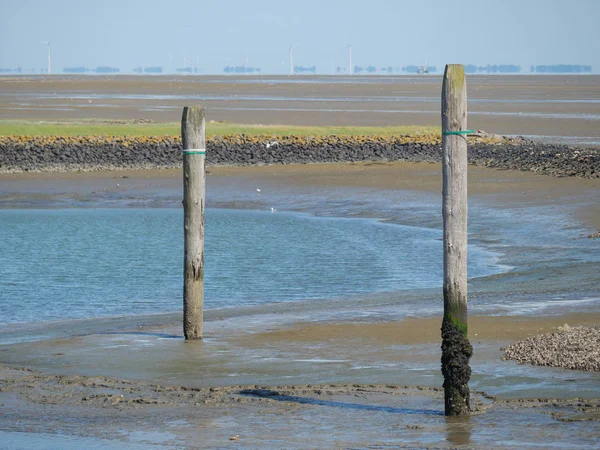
(120,410)
(102,400)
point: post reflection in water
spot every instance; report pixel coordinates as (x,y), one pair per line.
(458,430)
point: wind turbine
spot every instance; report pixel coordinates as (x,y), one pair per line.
(349,47)
(291,60)
(48,43)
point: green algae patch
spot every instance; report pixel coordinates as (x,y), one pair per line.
(148,128)
(87,128)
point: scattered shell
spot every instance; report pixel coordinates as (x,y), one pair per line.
(576,348)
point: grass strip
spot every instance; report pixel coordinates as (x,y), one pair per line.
(136,128)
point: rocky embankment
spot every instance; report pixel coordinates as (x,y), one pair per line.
(60,154)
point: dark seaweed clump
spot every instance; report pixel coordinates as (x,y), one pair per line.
(456,352)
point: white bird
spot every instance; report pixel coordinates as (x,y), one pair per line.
(257,190)
(273,209)
(272,144)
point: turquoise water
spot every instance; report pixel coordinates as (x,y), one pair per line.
(81,263)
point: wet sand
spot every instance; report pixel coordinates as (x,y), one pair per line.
(291,416)
(299,375)
(554,108)
(303,386)
(505,188)
(501,187)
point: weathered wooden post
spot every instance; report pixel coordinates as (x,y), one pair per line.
(456,349)
(194,155)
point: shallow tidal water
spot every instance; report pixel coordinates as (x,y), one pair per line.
(120,253)
(83,263)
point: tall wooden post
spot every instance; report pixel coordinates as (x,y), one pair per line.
(194,155)
(456,349)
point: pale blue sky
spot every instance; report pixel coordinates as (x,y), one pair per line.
(130,33)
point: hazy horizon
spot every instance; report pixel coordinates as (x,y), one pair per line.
(213,34)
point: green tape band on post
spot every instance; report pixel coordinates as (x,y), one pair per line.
(458,132)
(194,151)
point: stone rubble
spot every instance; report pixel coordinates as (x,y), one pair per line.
(90,153)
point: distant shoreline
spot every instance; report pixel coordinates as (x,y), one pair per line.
(545,70)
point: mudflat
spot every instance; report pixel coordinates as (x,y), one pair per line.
(553,108)
(303,386)
(504,188)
